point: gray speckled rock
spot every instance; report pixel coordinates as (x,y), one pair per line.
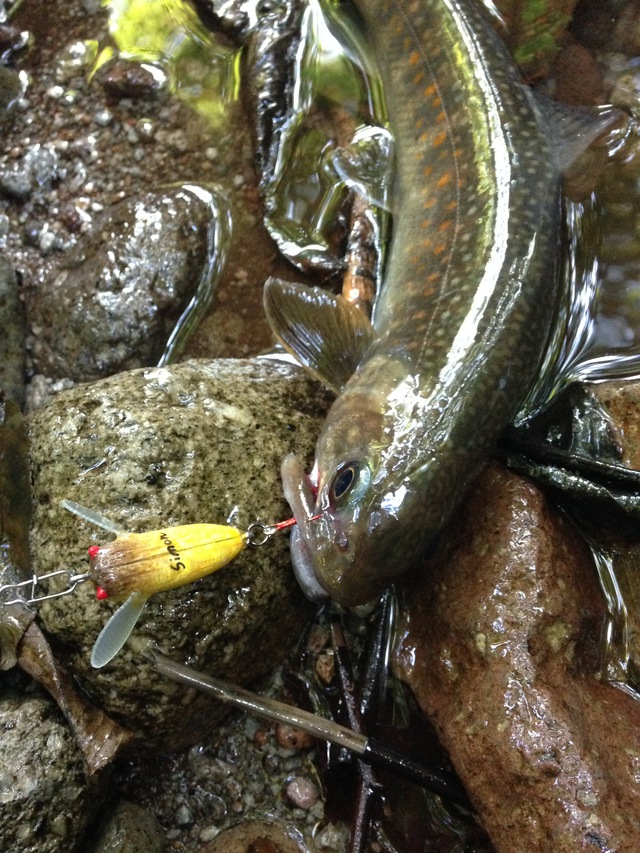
(114,299)
(44,804)
(166,446)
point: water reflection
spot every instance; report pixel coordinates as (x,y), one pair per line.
(333,138)
(201,71)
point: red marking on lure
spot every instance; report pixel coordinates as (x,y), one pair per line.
(92,551)
(101,594)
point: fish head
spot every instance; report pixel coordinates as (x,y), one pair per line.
(358,517)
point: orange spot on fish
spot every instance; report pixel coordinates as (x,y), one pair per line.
(431,90)
(414,57)
(429,203)
(439,249)
(444,226)
(444,179)
(441,116)
(452,205)
(439,138)
(418,77)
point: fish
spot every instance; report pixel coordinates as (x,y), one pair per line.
(465,311)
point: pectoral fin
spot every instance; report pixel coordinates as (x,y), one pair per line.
(117,630)
(326,333)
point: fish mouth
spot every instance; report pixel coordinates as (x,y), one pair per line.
(299,496)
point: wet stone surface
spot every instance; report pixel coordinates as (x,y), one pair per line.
(72,151)
(501,647)
(44,802)
(111,301)
(161,447)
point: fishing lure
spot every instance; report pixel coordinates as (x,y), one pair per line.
(134,566)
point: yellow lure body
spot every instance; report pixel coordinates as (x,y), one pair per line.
(163,559)
(134,566)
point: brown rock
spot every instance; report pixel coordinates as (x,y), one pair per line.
(501,645)
(289,737)
(621,400)
(577,77)
(127,79)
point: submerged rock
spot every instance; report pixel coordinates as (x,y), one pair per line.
(501,645)
(113,300)
(125,78)
(166,446)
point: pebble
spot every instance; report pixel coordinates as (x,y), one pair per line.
(125,78)
(292,738)
(184,816)
(302,792)
(326,667)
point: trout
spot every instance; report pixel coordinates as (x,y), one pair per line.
(464,313)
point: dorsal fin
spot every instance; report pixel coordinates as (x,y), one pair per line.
(326,333)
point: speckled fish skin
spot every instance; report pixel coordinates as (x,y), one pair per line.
(467,300)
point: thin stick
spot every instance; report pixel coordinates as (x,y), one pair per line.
(432,778)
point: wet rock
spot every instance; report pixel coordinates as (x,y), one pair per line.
(621,401)
(11,40)
(161,447)
(257,836)
(127,79)
(113,300)
(12,339)
(36,169)
(577,77)
(292,738)
(502,647)
(11,88)
(130,829)
(302,792)
(597,24)
(44,804)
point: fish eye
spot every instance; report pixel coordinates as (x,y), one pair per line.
(343,480)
